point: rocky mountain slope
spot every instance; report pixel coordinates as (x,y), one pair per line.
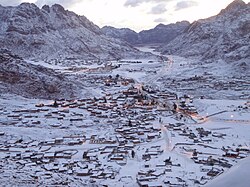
(160,34)
(224,36)
(124,34)
(21,78)
(53,32)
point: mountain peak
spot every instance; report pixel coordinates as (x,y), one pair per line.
(235,2)
(55,33)
(160,26)
(212,39)
(235,5)
(28,6)
(46,8)
(58,8)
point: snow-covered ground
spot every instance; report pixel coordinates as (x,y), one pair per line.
(126,131)
(237,176)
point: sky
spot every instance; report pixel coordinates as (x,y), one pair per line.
(136,14)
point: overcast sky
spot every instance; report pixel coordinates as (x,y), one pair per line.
(136,14)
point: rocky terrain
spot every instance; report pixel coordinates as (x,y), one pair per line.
(158,35)
(163,33)
(124,34)
(225,36)
(21,78)
(55,33)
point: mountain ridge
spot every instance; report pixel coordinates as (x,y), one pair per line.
(224,36)
(53,32)
(151,36)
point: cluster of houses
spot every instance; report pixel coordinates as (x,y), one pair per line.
(161,172)
(43,150)
(117,81)
(135,102)
(137,132)
(132,113)
(207,83)
(218,159)
(185,105)
(56,156)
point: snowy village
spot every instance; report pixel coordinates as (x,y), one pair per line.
(83,105)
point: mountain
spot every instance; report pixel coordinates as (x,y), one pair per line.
(160,34)
(53,32)
(224,36)
(124,34)
(22,78)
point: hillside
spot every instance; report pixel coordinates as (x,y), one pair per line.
(158,35)
(32,81)
(124,34)
(224,36)
(53,32)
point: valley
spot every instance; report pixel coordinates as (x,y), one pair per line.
(133,127)
(82,105)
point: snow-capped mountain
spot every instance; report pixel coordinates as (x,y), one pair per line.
(160,34)
(53,32)
(33,81)
(224,36)
(124,34)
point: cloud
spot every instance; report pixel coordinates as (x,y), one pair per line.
(65,3)
(132,3)
(158,9)
(160,20)
(185,4)
(10,2)
(135,3)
